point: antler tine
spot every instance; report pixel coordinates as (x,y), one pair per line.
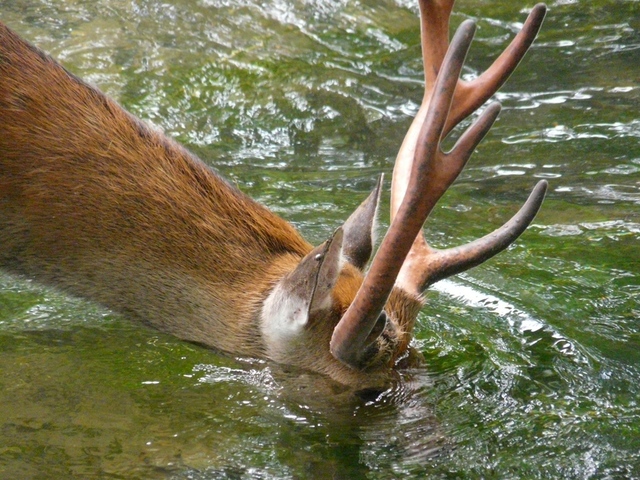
(434,34)
(444,263)
(426,265)
(430,169)
(471,95)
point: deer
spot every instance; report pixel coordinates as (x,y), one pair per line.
(99,205)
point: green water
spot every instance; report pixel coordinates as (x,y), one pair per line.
(532,360)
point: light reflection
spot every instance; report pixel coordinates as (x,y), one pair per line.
(563,133)
(474,298)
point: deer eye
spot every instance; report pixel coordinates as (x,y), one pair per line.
(383,319)
(379,327)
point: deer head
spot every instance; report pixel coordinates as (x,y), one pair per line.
(374,311)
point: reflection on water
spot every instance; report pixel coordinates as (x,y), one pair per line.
(532,362)
(562,133)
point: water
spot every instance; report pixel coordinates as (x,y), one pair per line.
(532,361)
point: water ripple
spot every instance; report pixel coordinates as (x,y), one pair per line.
(613,229)
(563,133)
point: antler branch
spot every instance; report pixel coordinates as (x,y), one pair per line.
(429,169)
(469,96)
(413,276)
(423,173)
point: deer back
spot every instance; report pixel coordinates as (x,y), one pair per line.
(95,202)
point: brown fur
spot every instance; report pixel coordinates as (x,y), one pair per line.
(96,203)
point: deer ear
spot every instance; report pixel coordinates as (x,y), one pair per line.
(304,291)
(359,229)
(328,272)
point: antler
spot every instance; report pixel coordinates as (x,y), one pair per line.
(421,268)
(423,173)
